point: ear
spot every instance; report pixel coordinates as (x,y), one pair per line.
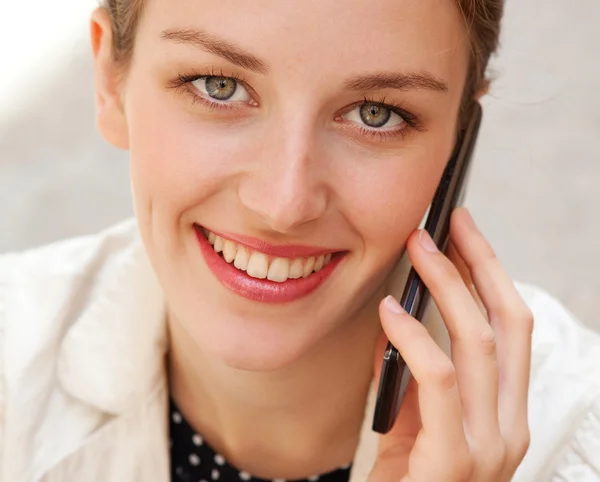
(109,79)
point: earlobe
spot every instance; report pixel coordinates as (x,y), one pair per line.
(110,114)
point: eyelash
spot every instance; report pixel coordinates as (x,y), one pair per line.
(185,81)
(412,121)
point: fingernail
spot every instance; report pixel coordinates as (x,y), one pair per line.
(426,242)
(392,305)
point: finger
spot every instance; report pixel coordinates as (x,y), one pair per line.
(508,313)
(438,397)
(465,274)
(472,338)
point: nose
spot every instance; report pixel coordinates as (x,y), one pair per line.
(285,185)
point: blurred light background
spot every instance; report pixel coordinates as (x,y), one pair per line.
(534,191)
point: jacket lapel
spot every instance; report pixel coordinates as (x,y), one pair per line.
(133,447)
(114,353)
(110,399)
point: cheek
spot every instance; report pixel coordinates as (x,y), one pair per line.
(177,161)
(386,201)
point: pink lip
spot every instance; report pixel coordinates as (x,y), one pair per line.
(262,289)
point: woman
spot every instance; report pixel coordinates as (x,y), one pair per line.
(283,155)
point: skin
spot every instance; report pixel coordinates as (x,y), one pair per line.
(279,389)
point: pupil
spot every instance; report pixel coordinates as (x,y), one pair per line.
(220,88)
(374,115)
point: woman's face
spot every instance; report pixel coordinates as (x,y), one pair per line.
(332,140)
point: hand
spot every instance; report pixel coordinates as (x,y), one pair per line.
(464,418)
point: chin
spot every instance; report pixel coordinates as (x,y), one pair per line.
(254,344)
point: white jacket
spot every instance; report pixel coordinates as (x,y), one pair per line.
(83,394)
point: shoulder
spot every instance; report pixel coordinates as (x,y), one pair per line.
(42,270)
(564,401)
(70,257)
(47,292)
(562,345)
(37,284)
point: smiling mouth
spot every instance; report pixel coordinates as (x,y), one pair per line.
(259,265)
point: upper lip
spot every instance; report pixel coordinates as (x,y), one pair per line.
(277,250)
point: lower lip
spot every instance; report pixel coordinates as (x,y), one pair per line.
(262,289)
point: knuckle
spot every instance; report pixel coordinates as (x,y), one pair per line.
(445,280)
(487,254)
(492,458)
(443,374)
(487,342)
(520,445)
(486,260)
(519,318)
(498,457)
(463,468)
(527,319)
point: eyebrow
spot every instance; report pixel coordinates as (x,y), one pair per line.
(234,54)
(240,57)
(397,80)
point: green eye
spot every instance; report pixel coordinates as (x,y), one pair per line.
(375,115)
(220,88)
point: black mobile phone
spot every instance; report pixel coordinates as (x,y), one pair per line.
(395,375)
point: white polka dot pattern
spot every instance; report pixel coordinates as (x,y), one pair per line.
(193,460)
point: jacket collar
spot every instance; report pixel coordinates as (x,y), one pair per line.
(113,355)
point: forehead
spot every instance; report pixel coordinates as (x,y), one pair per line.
(328,38)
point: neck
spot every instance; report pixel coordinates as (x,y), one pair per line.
(299,421)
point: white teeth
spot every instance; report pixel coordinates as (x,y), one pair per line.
(308,267)
(258,266)
(229,250)
(279,270)
(218,246)
(241,259)
(296,268)
(319,263)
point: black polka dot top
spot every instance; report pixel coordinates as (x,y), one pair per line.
(193,460)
